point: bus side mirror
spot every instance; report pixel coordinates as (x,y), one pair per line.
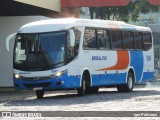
(72,38)
(11,36)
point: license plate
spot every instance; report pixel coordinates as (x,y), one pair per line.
(37,88)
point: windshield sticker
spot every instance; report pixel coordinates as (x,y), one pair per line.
(22,57)
(22,52)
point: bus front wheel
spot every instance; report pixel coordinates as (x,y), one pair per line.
(39,94)
(128,87)
(92,90)
(82,90)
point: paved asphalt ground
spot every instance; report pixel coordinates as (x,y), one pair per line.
(64,105)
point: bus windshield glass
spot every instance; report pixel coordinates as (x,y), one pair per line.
(39,51)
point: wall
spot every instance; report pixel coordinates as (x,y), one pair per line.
(50,4)
(10,25)
(70,12)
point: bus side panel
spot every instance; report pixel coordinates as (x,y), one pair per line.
(148,65)
(137,63)
(108,79)
(148,76)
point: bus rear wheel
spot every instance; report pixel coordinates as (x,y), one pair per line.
(128,87)
(39,94)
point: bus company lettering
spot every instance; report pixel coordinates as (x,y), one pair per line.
(25,73)
(99,58)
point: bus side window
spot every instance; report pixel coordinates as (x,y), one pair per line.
(128,40)
(138,40)
(116,38)
(90,41)
(147,41)
(103,39)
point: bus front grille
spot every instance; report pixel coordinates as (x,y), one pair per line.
(29,79)
(37,85)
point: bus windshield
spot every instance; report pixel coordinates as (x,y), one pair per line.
(40,51)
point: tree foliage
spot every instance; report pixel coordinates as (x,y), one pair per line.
(124,13)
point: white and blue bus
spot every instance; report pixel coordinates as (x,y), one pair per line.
(81,54)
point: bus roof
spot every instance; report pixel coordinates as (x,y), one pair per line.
(67,23)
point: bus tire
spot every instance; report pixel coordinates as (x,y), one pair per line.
(39,94)
(120,88)
(82,90)
(91,90)
(128,87)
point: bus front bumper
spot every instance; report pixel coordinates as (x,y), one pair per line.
(57,83)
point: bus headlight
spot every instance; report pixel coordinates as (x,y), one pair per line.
(17,76)
(59,73)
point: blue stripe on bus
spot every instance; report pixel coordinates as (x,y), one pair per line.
(148,76)
(137,62)
(108,79)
